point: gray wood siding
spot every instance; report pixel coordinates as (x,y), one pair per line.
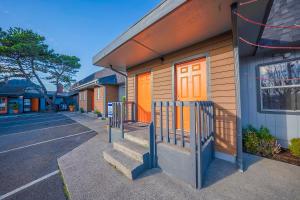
(283,126)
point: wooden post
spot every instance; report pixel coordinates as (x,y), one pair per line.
(121,120)
(167,122)
(193,143)
(161,121)
(174,122)
(181,124)
(199,160)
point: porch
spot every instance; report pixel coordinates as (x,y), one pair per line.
(88,176)
(179,139)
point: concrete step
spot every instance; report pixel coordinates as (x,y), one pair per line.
(133,150)
(139,137)
(128,166)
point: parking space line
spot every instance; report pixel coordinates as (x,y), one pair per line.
(43,142)
(36,122)
(28,185)
(21,116)
(32,119)
(39,129)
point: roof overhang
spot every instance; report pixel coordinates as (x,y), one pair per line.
(88,85)
(171,26)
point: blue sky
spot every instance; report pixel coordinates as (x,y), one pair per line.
(75,27)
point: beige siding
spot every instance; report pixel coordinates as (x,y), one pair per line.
(221,88)
(99,99)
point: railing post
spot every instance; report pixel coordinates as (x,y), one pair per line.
(152,137)
(199,149)
(174,122)
(181,124)
(134,112)
(167,122)
(161,121)
(121,120)
(193,142)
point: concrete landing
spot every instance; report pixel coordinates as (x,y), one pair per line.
(89,176)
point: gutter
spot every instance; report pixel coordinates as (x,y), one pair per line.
(86,85)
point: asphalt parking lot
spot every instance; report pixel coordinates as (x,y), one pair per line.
(29,147)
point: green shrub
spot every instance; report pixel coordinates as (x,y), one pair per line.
(123,99)
(260,141)
(15,106)
(294,147)
(81,110)
(250,139)
(97,112)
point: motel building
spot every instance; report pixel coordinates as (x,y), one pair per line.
(99,88)
(21,96)
(197,72)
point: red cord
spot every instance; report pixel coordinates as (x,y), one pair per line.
(265,25)
(267,46)
(248,2)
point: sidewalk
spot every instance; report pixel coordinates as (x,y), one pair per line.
(88,176)
(90,122)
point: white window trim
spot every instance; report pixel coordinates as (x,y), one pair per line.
(274,87)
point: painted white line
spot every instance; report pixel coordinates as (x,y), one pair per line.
(43,142)
(20,115)
(39,129)
(36,122)
(28,185)
(34,119)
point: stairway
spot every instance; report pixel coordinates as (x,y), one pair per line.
(129,155)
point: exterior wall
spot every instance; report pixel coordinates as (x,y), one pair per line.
(282,125)
(86,102)
(221,84)
(111,94)
(83,100)
(99,102)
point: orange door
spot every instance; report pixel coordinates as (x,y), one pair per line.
(35,105)
(190,86)
(144,98)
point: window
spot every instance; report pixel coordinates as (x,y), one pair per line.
(280,86)
(2,104)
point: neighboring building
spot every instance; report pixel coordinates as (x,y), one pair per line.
(21,96)
(183,56)
(18,96)
(99,88)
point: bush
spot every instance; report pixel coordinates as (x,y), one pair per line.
(294,147)
(97,112)
(15,106)
(81,110)
(260,141)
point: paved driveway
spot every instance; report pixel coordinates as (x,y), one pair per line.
(29,147)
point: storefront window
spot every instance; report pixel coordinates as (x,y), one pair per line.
(280,86)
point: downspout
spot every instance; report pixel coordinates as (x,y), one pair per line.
(239,140)
(126,85)
(126,80)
